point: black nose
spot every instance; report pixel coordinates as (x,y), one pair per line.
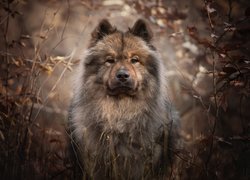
(122,75)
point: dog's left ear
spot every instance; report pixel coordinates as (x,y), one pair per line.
(142,30)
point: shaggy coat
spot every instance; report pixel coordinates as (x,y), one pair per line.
(121,121)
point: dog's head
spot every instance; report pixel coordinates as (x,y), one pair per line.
(123,63)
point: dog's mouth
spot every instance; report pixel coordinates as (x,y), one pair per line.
(122,90)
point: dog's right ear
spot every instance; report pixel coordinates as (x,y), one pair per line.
(103,28)
(142,30)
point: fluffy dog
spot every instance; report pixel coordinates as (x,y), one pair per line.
(122,124)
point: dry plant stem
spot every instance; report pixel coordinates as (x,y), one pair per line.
(68,14)
(37,55)
(63,72)
(214,95)
(216,116)
(33,78)
(64,28)
(7,59)
(229,10)
(70,57)
(52,21)
(55,85)
(242,120)
(45,81)
(209,17)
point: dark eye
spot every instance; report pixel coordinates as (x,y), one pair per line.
(135,59)
(110,60)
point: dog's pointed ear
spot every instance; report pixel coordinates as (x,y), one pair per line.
(103,28)
(142,30)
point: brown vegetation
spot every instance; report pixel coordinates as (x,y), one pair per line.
(205,45)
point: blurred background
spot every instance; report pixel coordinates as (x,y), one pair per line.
(204,44)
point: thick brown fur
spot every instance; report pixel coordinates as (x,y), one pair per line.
(122,124)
